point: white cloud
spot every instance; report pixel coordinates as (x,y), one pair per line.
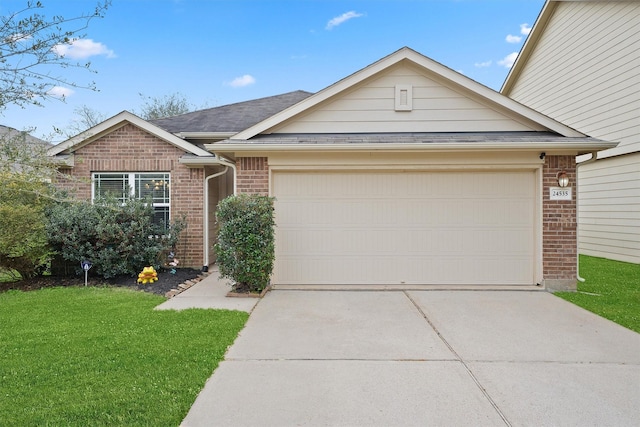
(525,29)
(342,19)
(17,37)
(60,92)
(242,81)
(483,64)
(83,48)
(513,39)
(508,60)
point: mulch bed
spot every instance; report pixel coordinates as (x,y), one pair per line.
(166,282)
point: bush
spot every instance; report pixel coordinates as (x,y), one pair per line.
(245,249)
(23,240)
(118,239)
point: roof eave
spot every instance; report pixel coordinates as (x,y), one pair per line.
(202,161)
(115,122)
(205,135)
(565,148)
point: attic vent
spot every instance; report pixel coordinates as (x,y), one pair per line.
(404,97)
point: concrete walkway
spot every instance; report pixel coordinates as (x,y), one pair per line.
(403,358)
(211,292)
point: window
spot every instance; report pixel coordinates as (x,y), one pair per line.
(154,186)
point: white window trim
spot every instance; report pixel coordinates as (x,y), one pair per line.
(131,179)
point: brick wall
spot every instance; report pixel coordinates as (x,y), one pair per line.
(130,149)
(252,175)
(559,227)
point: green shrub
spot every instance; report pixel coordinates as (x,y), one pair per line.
(245,248)
(23,240)
(118,239)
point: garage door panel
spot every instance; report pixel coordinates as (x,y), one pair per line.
(404,228)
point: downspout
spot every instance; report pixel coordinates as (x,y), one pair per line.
(594,157)
(227,163)
(205,264)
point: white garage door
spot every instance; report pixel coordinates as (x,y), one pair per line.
(404,228)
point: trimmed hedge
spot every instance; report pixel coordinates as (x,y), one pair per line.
(245,248)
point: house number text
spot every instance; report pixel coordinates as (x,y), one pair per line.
(559,193)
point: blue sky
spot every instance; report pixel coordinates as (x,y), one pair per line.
(217,52)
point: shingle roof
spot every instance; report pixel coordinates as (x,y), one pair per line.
(9,132)
(233,117)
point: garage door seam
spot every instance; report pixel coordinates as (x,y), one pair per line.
(459,359)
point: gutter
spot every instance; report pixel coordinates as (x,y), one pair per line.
(568,148)
(205,135)
(594,157)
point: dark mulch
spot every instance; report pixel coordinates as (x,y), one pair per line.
(166,281)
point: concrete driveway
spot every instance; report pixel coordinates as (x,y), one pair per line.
(403,358)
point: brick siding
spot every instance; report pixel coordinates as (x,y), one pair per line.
(252,175)
(130,149)
(559,226)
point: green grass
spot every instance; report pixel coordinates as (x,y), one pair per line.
(611,290)
(95,356)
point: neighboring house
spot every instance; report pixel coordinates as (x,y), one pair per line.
(581,66)
(404,173)
(12,139)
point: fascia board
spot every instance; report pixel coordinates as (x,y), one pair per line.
(116,122)
(205,135)
(549,147)
(200,161)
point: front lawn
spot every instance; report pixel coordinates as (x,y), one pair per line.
(611,290)
(94,356)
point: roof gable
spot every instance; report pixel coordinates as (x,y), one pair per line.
(529,46)
(118,121)
(537,32)
(445,101)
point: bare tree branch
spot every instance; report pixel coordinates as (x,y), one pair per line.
(30,53)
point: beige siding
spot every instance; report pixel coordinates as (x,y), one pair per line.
(585,71)
(390,228)
(609,208)
(370,107)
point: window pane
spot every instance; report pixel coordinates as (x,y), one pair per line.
(161,216)
(112,184)
(153,185)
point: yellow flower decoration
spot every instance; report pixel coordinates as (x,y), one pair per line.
(148,275)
